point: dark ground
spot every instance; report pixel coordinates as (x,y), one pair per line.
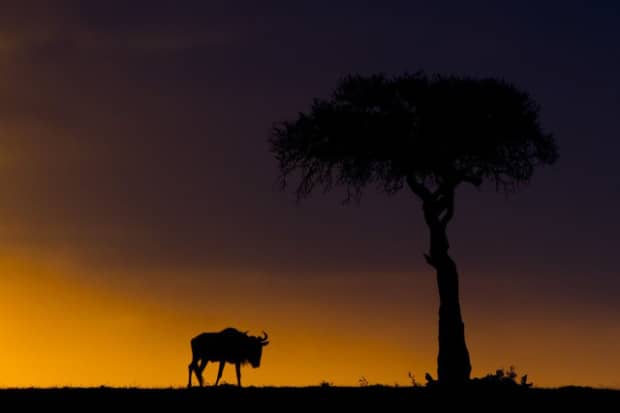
(378,398)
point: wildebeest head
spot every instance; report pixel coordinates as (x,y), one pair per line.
(255,349)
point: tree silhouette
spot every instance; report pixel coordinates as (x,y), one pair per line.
(431,134)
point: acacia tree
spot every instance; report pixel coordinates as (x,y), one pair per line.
(430,134)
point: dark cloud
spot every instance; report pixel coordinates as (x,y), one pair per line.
(134,135)
(147,27)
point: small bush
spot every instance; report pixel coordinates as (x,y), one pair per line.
(506,377)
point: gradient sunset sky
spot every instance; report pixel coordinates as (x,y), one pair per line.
(139,203)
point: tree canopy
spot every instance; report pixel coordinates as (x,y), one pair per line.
(425,131)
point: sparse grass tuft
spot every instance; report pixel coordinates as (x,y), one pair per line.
(412,379)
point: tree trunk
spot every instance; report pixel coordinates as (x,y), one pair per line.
(453,365)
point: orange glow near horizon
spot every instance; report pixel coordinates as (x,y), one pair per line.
(60,330)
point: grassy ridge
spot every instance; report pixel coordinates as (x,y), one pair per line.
(302,398)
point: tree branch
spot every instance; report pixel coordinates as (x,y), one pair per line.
(449,208)
(419,189)
(472,179)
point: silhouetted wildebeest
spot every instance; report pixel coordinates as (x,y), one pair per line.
(229,345)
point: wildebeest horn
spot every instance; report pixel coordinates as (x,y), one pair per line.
(264,338)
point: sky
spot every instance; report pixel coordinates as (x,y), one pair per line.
(140,206)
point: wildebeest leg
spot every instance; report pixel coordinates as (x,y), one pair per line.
(200,369)
(219,372)
(238,368)
(193,366)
